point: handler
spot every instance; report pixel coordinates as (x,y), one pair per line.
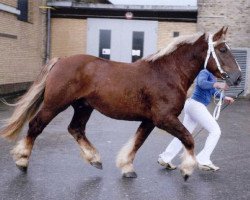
(196,112)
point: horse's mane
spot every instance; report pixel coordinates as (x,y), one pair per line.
(172,46)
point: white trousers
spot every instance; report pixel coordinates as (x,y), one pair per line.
(196,113)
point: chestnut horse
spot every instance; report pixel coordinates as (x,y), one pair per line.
(151,90)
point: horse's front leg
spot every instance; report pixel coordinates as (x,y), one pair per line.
(177,129)
(127,153)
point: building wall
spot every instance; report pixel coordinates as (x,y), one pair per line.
(22,49)
(166,30)
(214,14)
(9,2)
(68,37)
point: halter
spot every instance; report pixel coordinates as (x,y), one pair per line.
(210,51)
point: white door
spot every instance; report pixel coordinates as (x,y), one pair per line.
(121,40)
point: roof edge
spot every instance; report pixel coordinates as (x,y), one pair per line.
(123,7)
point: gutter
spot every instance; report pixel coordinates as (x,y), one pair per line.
(48,35)
(123,7)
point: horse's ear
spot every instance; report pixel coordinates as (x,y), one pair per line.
(219,34)
(225,30)
(201,38)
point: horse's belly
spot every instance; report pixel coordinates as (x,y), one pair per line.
(123,116)
(120,111)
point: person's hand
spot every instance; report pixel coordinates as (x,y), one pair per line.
(222,86)
(228,100)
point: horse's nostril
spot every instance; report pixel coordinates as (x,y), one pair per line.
(237,82)
(239,79)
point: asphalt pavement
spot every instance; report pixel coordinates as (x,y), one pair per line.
(57,171)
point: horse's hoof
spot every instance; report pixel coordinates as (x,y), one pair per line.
(97,165)
(22,168)
(130,175)
(186,177)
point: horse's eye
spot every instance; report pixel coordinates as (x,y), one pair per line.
(223,49)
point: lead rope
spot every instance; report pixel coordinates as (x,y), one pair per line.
(217,109)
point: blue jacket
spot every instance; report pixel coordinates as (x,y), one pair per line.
(204,89)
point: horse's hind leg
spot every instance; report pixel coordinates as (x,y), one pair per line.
(77,130)
(127,153)
(22,150)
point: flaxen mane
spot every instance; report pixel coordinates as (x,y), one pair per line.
(172,46)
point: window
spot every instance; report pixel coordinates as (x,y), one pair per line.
(176,34)
(104,44)
(22,5)
(137,45)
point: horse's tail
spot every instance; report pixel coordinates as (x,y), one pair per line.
(28,105)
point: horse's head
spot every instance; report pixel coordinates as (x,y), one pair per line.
(220,60)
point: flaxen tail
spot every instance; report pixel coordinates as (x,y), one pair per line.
(28,105)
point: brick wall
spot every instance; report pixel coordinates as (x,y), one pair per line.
(213,14)
(166,30)
(22,48)
(68,37)
(9,2)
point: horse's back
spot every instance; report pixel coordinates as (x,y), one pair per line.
(94,79)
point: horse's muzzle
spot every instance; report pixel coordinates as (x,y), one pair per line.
(234,78)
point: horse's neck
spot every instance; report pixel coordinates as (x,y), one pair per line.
(188,61)
(190,71)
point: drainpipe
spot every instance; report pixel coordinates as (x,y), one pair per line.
(48,35)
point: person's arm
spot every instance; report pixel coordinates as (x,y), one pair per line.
(202,81)
(217,92)
(219,85)
(227,99)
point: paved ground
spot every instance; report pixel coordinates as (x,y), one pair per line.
(57,171)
